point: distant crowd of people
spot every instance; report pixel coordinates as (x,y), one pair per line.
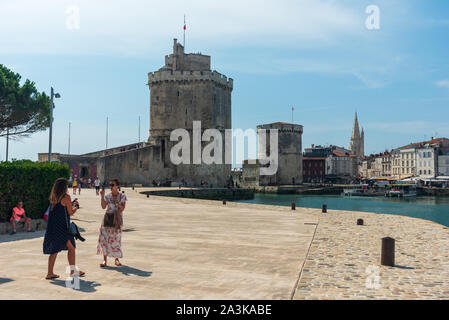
(78,184)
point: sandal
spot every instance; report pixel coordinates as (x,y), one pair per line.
(102,265)
(52,277)
(118,264)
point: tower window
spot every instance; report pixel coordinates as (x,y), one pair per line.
(157,98)
(178,93)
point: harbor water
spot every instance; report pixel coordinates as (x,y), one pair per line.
(430,208)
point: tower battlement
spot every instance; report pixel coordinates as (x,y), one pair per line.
(189,76)
(282,127)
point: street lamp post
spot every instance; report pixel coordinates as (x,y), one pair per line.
(7,143)
(52,95)
(70,124)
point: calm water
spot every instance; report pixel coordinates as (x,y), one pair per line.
(431,208)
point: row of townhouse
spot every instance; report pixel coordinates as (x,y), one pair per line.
(327,163)
(426,159)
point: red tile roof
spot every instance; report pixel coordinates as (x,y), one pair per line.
(416,144)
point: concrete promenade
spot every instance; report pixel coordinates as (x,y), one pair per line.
(197,249)
(173,249)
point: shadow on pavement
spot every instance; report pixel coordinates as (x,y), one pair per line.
(5,280)
(85,286)
(21,236)
(87,221)
(127,271)
(403,267)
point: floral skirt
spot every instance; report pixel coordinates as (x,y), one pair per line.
(110,242)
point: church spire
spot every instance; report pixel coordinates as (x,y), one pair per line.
(356,130)
(357,140)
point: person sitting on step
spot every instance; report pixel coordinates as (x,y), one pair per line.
(18,215)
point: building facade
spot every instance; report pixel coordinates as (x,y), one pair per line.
(314,169)
(443,163)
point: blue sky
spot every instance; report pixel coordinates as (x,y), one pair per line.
(317,56)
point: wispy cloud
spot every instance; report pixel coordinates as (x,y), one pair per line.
(443,84)
(137,26)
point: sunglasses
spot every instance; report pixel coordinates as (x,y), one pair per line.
(112,185)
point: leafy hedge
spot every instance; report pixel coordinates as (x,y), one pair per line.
(30,182)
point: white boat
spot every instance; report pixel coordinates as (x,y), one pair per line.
(355,190)
(402,191)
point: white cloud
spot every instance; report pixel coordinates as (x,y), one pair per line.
(138,27)
(443,84)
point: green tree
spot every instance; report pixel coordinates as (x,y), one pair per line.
(23,110)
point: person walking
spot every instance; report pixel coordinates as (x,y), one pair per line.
(89,181)
(110,238)
(97,183)
(57,236)
(80,184)
(74,186)
(18,215)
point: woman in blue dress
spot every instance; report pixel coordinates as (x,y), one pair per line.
(57,237)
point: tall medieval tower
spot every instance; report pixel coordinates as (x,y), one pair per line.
(183,91)
(357,144)
(290,166)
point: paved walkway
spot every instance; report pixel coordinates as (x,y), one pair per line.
(196,249)
(344,259)
(173,249)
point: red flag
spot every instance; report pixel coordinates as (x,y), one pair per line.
(184,27)
(293,108)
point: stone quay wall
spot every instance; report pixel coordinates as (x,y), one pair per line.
(206,194)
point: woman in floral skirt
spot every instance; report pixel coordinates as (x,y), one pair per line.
(110,239)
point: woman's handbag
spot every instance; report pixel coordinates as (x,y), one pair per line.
(113,219)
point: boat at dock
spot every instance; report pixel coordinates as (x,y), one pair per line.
(402,191)
(362,190)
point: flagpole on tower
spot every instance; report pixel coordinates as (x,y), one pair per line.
(293,109)
(184,33)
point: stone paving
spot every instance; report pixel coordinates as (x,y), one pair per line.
(200,249)
(173,249)
(341,252)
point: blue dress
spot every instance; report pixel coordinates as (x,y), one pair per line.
(56,235)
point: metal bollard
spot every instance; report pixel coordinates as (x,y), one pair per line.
(387,255)
(133,187)
(148,195)
(324,210)
(224,202)
(293,206)
(360,222)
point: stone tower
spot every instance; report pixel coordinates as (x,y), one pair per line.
(289,150)
(183,91)
(357,144)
